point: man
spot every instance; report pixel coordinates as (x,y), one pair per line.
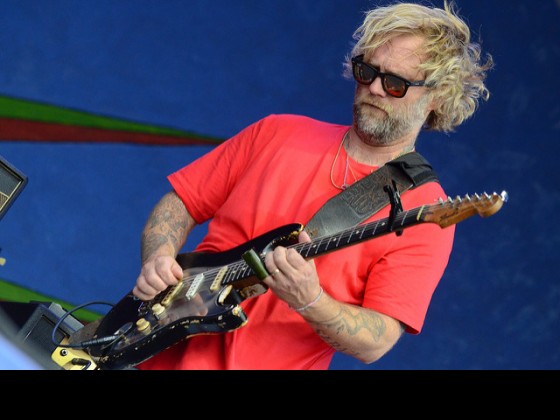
(415,68)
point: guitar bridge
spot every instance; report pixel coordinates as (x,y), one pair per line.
(174,291)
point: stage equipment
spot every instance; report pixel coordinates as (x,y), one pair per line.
(33,324)
(12,182)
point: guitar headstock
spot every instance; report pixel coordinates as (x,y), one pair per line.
(451,211)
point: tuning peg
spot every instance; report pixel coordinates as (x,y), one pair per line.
(504,195)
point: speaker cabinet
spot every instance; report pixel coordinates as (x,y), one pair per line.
(34,323)
(12,181)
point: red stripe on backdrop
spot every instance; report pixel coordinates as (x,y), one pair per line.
(16,129)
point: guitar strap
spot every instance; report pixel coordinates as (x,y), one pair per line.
(369,195)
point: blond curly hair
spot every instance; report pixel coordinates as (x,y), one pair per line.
(454,68)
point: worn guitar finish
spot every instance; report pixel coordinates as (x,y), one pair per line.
(207,299)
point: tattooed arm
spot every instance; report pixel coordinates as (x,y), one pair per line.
(163,236)
(359,332)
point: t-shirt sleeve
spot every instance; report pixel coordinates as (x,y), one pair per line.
(204,184)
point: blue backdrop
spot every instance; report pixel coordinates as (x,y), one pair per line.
(215,67)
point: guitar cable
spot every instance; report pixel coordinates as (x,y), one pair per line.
(88,343)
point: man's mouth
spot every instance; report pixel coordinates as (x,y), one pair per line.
(374,106)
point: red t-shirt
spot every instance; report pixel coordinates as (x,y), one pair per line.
(276,172)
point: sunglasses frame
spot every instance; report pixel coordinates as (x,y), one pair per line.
(359,60)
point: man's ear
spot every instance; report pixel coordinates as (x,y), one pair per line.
(434,103)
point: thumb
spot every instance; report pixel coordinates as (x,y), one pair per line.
(177,270)
(304,237)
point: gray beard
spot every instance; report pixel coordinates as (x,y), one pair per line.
(385,131)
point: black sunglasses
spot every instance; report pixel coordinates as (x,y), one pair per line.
(394,85)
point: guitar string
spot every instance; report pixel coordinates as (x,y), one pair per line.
(348,233)
(240,267)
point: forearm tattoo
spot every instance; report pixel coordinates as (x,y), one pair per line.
(348,323)
(164,226)
(150,243)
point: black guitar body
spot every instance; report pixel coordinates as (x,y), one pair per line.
(206,301)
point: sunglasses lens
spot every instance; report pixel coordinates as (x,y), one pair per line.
(364,74)
(394,86)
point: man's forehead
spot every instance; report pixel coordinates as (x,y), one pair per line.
(404,51)
(402,47)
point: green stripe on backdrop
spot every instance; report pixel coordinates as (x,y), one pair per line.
(36,111)
(13,293)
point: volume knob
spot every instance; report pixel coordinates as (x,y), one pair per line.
(142,324)
(158,309)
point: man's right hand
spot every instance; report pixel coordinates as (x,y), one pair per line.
(157,274)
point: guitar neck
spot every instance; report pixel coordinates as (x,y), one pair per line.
(444,213)
(360,233)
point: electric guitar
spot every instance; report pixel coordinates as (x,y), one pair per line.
(207,298)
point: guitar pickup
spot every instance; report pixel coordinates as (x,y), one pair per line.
(195,285)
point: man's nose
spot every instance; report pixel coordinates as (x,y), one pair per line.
(376,88)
